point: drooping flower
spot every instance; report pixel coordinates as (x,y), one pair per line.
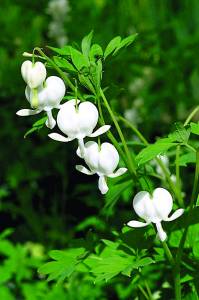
(78,121)
(33,74)
(101,160)
(154,208)
(47,97)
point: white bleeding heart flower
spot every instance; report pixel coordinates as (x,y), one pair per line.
(33,74)
(78,120)
(101,160)
(45,98)
(154,208)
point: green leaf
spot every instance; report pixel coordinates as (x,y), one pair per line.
(180,135)
(78,59)
(114,194)
(112,45)
(96,74)
(63,63)
(85,81)
(86,43)
(64,51)
(125,42)
(64,265)
(153,150)
(188,158)
(113,261)
(36,126)
(195,128)
(96,52)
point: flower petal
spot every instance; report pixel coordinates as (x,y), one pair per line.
(137,224)
(81,151)
(100,131)
(119,172)
(50,122)
(163,203)
(58,137)
(161,233)
(102,185)
(84,170)
(27,112)
(178,213)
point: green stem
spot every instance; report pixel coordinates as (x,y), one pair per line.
(194,197)
(192,114)
(177,284)
(143,292)
(131,162)
(176,271)
(137,132)
(190,147)
(60,72)
(175,189)
(184,235)
(178,167)
(168,253)
(110,135)
(164,169)
(148,290)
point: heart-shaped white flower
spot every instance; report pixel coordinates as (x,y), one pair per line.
(154,208)
(77,121)
(46,98)
(33,74)
(101,160)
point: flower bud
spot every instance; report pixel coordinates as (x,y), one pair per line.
(33,74)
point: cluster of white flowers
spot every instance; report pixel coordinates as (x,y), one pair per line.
(42,94)
(58,10)
(75,119)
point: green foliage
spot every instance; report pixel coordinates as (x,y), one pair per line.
(153,83)
(64,265)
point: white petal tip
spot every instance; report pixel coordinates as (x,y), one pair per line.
(58,137)
(136,224)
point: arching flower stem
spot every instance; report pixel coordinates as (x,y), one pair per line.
(111,136)
(131,162)
(191,115)
(60,72)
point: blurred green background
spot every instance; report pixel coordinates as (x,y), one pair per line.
(42,198)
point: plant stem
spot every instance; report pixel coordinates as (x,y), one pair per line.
(148,290)
(190,147)
(168,253)
(137,132)
(60,72)
(191,115)
(164,169)
(110,135)
(143,292)
(177,284)
(131,162)
(178,167)
(193,198)
(184,235)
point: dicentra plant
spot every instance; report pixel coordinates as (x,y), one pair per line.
(135,253)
